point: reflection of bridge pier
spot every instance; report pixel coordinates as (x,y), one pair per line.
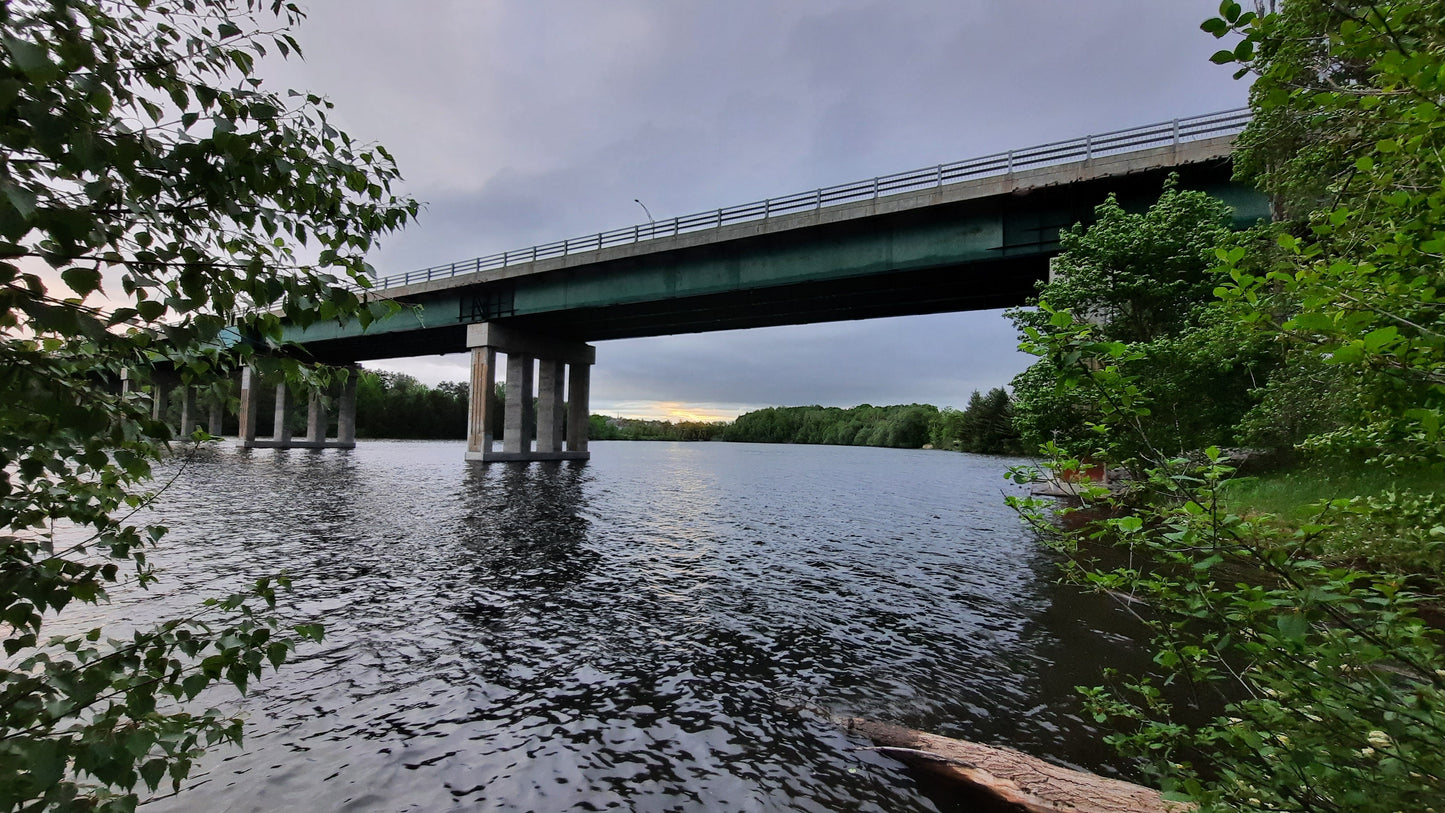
(316,419)
(525,352)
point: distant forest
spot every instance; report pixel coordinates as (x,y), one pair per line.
(393,405)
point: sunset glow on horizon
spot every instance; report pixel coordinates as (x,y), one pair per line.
(674,411)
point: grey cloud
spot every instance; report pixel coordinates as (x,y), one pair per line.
(520,123)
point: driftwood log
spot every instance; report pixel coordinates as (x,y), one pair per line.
(1011,780)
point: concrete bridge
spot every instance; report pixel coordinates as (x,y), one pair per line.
(971,235)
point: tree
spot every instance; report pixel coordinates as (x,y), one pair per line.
(145,160)
(1348,136)
(1144,280)
(901,426)
(1315,683)
(984,427)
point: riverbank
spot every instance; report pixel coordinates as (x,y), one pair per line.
(1390,520)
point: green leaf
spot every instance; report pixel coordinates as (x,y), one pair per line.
(1312,321)
(1292,626)
(82,281)
(1216,26)
(313,632)
(1376,339)
(32,59)
(152,772)
(194,684)
(150,310)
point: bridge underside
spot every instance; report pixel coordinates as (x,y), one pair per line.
(923,253)
(972,254)
(961,287)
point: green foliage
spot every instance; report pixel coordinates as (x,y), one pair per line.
(1348,136)
(986,426)
(141,155)
(1138,276)
(393,405)
(1391,518)
(1295,670)
(1287,677)
(899,427)
(601,427)
(1144,281)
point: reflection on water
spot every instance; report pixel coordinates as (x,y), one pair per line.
(633,633)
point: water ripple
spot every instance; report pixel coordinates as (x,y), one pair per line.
(636,633)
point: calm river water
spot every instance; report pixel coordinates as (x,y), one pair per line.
(634,633)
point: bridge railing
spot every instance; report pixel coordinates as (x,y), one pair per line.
(1088,147)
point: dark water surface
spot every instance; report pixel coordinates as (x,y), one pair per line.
(634,633)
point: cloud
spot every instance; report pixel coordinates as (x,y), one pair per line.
(520,123)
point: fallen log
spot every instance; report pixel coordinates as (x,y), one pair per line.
(1013,780)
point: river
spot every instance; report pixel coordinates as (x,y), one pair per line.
(648,631)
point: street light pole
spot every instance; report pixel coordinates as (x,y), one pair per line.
(644,209)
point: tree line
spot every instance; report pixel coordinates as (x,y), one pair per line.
(984,426)
(395,405)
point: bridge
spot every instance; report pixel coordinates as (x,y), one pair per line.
(970,235)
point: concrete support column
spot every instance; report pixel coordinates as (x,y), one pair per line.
(578,410)
(160,397)
(479,414)
(316,418)
(550,379)
(282,433)
(190,416)
(520,418)
(217,418)
(346,412)
(486,339)
(250,405)
(125,382)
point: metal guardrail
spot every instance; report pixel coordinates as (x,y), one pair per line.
(1086,148)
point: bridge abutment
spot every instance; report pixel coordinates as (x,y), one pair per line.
(555,359)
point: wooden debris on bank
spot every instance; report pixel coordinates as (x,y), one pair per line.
(1017,781)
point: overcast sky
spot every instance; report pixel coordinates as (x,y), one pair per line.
(533,120)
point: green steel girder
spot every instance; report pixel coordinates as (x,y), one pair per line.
(967,255)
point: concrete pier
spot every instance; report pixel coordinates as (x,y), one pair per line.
(550,380)
(579,378)
(160,396)
(316,417)
(524,353)
(214,426)
(281,428)
(346,412)
(250,405)
(479,413)
(520,421)
(190,416)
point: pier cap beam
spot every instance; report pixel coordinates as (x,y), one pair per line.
(505,340)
